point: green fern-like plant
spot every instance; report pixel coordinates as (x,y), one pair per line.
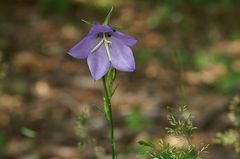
(181,125)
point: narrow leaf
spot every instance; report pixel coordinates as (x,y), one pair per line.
(87,22)
(28,132)
(111,74)
(106,108)
(146,143)
(108,17)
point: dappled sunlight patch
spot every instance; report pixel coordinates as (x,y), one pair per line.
(154,70)
(155,40)
(42,89)
(179,141)
(231,48)
(70,32)
(17,146)
(206,76)
(28,60)
(10,103)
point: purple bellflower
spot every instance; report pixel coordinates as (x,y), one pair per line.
(105,47)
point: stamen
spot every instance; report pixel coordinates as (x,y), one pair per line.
(106,43)
(97,46)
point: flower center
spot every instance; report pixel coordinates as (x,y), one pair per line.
(104,40)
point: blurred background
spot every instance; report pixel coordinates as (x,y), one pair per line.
(188,53)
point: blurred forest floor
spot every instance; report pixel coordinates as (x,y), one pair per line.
(187,54)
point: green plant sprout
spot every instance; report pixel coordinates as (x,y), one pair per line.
(180,126)
(86,143)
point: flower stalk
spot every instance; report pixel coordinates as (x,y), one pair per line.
(108,93)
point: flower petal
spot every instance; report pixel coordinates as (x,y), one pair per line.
(126,39)
(97,28)
(82,49)
(98,63)
(122,56)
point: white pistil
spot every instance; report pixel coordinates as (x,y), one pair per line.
(106,43)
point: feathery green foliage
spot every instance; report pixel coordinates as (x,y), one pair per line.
(81,125)
(180,126)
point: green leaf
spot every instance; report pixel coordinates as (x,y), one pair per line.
(108,17)
(106,108)
(87,22)
(28,132)
(146,143)
(111,76)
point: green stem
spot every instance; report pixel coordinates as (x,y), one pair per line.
(108,94)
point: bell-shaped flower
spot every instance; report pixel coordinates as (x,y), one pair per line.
(105,47)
